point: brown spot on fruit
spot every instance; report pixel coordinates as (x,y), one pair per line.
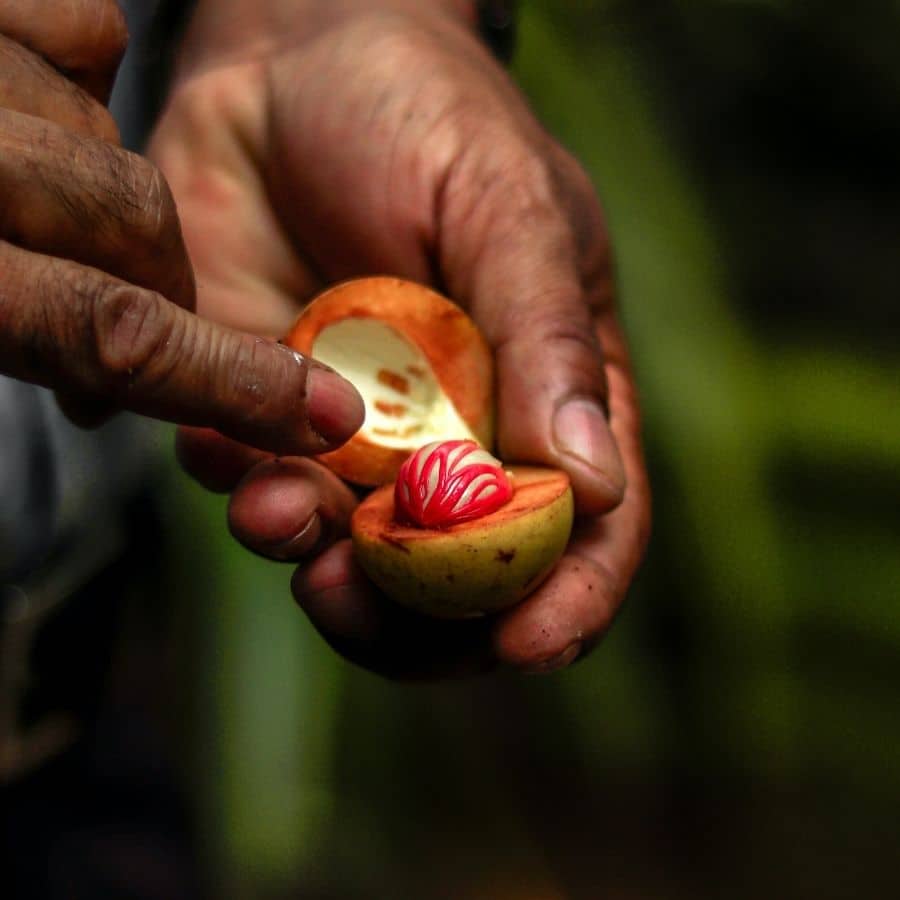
(415,371)
(505,556)
(391,409)
(394,380)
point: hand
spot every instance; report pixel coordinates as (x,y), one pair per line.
(97,290)
(392,143)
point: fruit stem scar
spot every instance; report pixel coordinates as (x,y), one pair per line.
(394,380)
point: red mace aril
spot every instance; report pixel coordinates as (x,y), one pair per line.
(448,482)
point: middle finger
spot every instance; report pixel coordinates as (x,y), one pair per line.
(290,508)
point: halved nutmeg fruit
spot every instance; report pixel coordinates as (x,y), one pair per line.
(421,365)
(463,566)
(451,532)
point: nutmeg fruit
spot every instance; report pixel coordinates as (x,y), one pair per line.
(420,363)
(458,534)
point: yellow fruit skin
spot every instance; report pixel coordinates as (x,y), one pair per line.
(470,569)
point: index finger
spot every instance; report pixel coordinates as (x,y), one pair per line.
(64,325)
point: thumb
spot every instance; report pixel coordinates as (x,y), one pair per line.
(71,327)
(524,288)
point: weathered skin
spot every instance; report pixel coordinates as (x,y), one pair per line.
(475,567)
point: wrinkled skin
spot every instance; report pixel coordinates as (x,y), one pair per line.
(393,143)
(97,292)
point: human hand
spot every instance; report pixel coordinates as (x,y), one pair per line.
(391,142)
(97,290)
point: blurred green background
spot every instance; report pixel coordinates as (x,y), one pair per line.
(737,735)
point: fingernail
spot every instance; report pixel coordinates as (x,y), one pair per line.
(566,658)
(301,544)
(581,431)
(335,408)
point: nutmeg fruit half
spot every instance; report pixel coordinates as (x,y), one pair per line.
(473,567)
(421,365)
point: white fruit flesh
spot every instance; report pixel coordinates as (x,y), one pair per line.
(405,404)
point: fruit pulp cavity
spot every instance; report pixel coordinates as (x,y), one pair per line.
(405,404)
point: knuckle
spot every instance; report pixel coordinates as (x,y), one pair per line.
(553,323)
(501,194)
(515,185)
(524,177)
(133,329)
(562,337)
(141,199)
(94,119)
(250,374)
(389,38)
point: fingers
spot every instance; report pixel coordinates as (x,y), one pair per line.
(380,636)
(30,85)
(85,39)
(86,200)
(69,326)
(514,257)
(213,460)
(290,508)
